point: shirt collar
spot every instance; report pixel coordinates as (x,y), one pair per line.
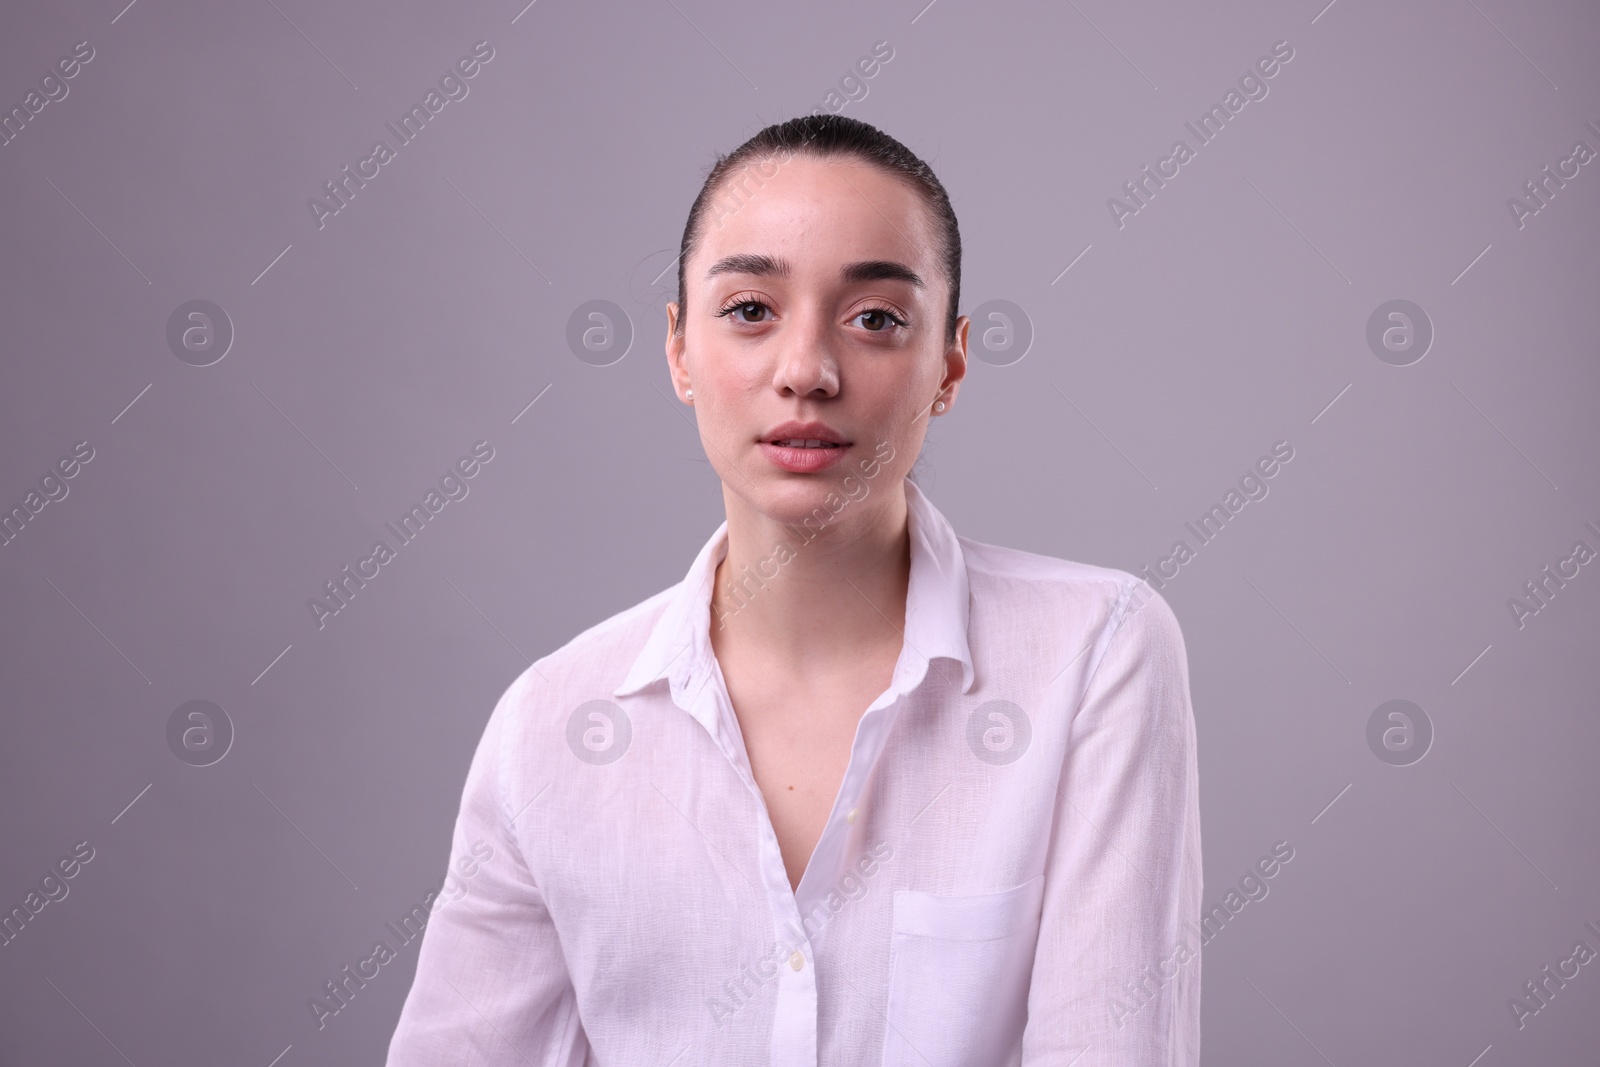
(679,645)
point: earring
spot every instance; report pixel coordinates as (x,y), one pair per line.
(688,394)
(939,406)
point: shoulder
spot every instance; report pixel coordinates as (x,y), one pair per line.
(587,667)
(1001,563)
(1067,597)
(1015,580)
(521,742)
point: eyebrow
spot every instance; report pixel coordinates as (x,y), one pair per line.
(867,270)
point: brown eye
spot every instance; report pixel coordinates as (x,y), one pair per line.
(878,320)
(748,311)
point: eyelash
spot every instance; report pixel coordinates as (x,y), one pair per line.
(735,304)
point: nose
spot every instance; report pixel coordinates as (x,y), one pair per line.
(807,366)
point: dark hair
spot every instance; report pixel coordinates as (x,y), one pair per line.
(823,136)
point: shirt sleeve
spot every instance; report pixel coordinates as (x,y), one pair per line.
(1116,977)
(491,987)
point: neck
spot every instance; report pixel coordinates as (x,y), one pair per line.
(810,598)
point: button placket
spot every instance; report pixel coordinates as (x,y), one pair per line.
(794,1019)
(794,1024)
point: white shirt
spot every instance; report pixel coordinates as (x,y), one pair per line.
(1010,873)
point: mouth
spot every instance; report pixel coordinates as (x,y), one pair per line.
(804,435)
(795,442)
(804,447)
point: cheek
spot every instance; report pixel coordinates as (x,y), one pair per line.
(907,398)
(728,409)
(733,389)
(896,439)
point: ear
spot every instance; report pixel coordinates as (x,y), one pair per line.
(677,367)
(955,361)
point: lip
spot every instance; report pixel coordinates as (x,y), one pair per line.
(804,460)
(804,431)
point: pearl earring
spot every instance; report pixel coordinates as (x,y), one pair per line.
(939,406)
(688,394)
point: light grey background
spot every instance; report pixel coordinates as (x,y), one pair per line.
(1228,314)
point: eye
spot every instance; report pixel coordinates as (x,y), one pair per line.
(746,310)
(879,319)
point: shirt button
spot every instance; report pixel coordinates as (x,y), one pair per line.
(852,816)
(797,960)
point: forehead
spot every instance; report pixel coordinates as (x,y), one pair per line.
(817,214)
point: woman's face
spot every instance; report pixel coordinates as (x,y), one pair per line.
(819,298)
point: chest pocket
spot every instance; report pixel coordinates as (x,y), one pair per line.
(958,976)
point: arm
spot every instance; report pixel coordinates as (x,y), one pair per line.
(1116,976)
(492,986)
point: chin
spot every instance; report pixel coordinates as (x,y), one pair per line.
(813,501)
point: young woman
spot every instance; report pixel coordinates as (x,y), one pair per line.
(858,789)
